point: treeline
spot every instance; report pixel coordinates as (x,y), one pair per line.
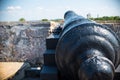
(107,18)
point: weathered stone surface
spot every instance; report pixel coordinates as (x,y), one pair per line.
(115,28)
(23,43)
(4,34)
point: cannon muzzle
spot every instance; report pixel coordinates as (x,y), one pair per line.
(87,50)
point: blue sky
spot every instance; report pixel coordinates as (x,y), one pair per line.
(13,10)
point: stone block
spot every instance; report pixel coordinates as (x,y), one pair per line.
(117,73)
(33,72)
(51,41)
(117,76)
(49,73)
(49,58)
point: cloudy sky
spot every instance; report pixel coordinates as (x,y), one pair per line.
(13,10)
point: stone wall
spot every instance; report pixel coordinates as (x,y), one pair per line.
(115,28)
(27,43)
(23,43)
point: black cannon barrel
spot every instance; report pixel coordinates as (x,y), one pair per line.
(71,19)
(87,50)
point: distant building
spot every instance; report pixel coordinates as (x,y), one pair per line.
(97,15)
(88,15)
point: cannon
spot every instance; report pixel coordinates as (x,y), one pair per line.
(86,50)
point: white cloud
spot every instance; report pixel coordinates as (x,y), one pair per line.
(40,8)
(11,8)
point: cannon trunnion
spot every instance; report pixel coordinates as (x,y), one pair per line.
(86,50)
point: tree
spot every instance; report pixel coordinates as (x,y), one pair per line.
(22,20)
(44,19)
(116,18)
(107,18)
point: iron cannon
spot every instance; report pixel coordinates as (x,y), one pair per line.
(86,50)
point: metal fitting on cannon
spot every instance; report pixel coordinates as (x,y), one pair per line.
(87,50)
